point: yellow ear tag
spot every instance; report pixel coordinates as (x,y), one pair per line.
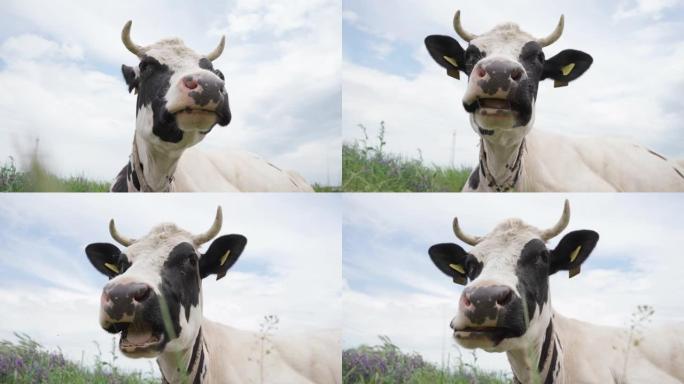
(451,61)
(112,267)
(567,69)
(225,257)
(457,268)
(574,253)
(452,72)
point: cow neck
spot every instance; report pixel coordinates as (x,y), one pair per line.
(501,166)
(154,170)
(192,359)
(546,364)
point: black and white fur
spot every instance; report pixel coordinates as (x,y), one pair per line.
(506,307)
(154,300)
(181,97)
(504,68)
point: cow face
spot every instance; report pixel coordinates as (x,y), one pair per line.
(153,297)
(505,302)
(504,67)
(181,96)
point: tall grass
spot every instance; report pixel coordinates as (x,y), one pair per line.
(26,362)
(38,179)
(387,364)
(367,167)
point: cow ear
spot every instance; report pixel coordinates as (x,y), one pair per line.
(447,52)
(571,251)
(566,66)
(450,259)
(132,77)
(105,258)
(221,255)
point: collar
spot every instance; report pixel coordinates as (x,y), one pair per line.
(510,181)
(136,180)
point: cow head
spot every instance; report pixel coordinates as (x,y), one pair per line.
(180,94)
(154,295)
(504,67)
(505,303)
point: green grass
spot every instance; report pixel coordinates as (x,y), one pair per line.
(387,364)
(38,179)
(368,168)
(26,361)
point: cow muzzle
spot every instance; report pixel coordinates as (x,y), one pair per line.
(126,308)
(199,101)
(498,94)
(487,315)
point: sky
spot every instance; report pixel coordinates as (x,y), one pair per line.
(60,66)
(50,291)
(632,90)
(390,286)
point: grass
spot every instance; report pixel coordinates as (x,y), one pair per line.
(367,167)
(26,361)
(387,364)
(38,179)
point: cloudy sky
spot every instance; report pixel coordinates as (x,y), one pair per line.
(392,288)
(50,291)
(60,67)
(632,90)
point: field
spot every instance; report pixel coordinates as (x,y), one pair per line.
(26,361)
(367,167)
(387,364)
(38,179)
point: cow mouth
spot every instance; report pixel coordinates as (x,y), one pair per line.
(194,111)
(494,334)
(140,338)
(495,107)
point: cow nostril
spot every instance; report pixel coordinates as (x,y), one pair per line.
(189,82)
(141,293)
(505,297)
(480,72)
(516,74)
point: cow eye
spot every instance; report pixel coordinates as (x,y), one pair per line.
(219,74)
(540,56)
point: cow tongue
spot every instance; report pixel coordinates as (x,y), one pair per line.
(139,335)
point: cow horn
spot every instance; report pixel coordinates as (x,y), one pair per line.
(470,240)
(213,231)
(213,55)
(555,35)
(560,225)
(467,36)
(126,38)
(121,239)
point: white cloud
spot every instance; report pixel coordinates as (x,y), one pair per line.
(282,64)
(51,292)
(392,288)
(621,95)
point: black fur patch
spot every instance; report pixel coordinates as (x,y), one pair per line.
(532,271)
(474,179)
(205,63)
(155,80)
(180,282)
(544,354)
(121,182)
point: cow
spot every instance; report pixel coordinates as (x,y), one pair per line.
(154,300)
(506,307)
(504,68)
(180,97)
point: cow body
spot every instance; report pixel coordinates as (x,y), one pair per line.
(504,68)
(154,300)
(181,97)
(236,356)
(506,307)
(557,163)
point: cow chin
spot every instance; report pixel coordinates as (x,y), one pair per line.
(196,120)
